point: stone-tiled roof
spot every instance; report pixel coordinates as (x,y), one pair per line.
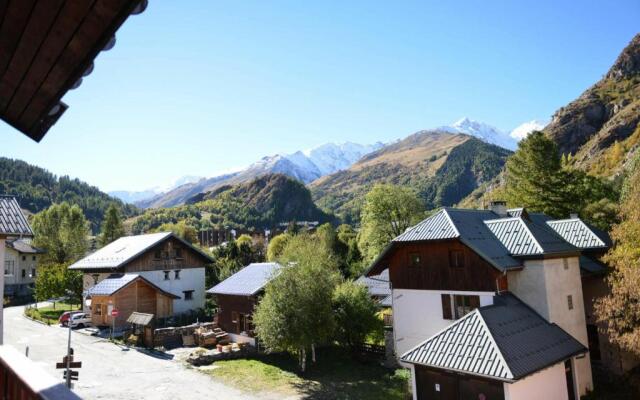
(23,246)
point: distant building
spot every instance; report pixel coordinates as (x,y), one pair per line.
(151,269)
(20,267)
(237,297)
(378,287)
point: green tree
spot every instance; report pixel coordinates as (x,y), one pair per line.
(61,231)
(111,228)
(181,229)
(296,313)
(355,313)
(387,212)
(329,238)
(57,280)
(620,310)
(277,245)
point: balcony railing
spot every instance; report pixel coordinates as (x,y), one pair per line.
(22,379)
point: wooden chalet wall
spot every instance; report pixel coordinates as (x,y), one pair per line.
(138,296)
(227,304)
(435,271)
(168,260)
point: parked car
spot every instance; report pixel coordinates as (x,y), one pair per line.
(64,317)
(80,320)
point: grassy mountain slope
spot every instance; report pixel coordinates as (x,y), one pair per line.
(37,188)
(443,167)
(261,203)
(601,128)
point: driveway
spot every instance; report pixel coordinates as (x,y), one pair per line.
(112,372)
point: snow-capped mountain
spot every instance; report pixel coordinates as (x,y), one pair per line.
(305,166)
(134,196)
(482,131)
(522,130)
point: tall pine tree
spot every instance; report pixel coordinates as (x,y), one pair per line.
(112,227)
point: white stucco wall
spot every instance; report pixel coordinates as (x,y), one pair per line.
(417,315)
(548,384)
(190,279)
(545,286)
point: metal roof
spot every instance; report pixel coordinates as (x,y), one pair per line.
(377,285)
(514,235)
(248,281)
(12,220)
(436,227)
(121,251)
(115,282)
(23,246)
(506,341)
(576,232)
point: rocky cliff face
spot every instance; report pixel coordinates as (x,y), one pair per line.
(606,113)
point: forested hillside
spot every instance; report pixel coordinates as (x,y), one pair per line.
(442,167)
(36,188)
(260,203)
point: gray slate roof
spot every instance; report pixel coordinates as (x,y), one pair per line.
(114,282)
(248,281)
(23,246)
(378,285)
(121,251)
(12,220)
(505,341)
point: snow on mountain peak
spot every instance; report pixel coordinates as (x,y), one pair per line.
(482,131)
(522,130)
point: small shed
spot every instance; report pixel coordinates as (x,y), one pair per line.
(127,293)
(142,327)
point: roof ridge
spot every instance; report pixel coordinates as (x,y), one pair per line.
(495,344)
(533,237)
(453,225)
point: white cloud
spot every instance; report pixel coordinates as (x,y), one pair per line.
(522,130)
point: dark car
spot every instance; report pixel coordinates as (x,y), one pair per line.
(65,316)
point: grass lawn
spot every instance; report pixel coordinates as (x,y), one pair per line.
(50,314)
(336,375)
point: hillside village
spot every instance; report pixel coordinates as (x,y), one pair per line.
(458,262)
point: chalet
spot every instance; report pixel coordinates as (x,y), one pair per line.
(20,267)
(490,303)
(13,224)
(237,297)
(378,287)
(144,269)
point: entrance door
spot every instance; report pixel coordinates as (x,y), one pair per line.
(432,385)
(568,370)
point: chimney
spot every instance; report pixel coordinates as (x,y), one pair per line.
(499,207)
(573,215)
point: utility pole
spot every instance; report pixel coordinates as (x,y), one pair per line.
(68,376)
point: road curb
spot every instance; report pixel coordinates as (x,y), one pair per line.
(35,320)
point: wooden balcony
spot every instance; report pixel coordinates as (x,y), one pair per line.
(22,379)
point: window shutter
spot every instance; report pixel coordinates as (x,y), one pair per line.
(446,306)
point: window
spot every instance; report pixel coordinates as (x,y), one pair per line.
(414,260)
(9,267)
(570,302)
(176,274)
(463,305)
(33,272)
(24,258)
(188,294)
(178,252)
(24,273)
(157,254)
(456,259)
(97,309)
(234,317)
(95,278)
(33,258)
(565,262)
(166,275)
(446,306)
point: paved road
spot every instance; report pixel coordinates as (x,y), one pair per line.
(110,372)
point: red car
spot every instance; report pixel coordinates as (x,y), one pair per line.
(64,317)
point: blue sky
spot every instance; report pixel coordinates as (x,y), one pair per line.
(198,88)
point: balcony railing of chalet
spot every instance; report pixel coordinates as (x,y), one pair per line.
(387,319)
(22,379)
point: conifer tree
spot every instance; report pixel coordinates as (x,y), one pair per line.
(112,227)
